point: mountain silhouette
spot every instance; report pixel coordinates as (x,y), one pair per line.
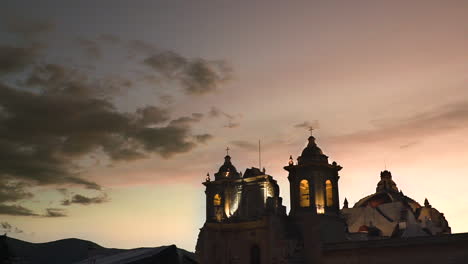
(78,251)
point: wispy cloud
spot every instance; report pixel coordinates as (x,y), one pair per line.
(407,132)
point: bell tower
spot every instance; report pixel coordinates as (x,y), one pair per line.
(314,195)
(313,182)
(222,194)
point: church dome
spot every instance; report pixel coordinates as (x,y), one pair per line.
(387,192)
(312,153)
(227,170)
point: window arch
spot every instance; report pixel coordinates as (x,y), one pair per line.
(304,193)
(329,193)
(217,200)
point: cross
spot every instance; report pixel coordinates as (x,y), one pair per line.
(311,129)
(227,151)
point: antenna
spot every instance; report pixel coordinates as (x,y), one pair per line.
(259,156)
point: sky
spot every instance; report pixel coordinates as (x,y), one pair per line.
(113,112)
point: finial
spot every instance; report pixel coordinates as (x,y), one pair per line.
(311,129)
(227,151)
(208,177)
(291,161)
(426,203)
(345,203)
(264,170)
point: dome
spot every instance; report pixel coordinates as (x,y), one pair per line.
(227,170)
(253,172)
(312,153)
(386,192)
(376,199)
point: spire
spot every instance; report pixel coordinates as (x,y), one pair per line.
(208,177)
(345,203)
(291,161)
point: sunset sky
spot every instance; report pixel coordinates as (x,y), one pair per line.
(112,112)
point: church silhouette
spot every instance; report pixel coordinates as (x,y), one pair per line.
(246,221)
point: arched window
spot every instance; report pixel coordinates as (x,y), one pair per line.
(255,255)
(217,200)
(329,193)
(304,194)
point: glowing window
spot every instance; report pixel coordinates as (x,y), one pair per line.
(329,193)
(304,195)
(217,200)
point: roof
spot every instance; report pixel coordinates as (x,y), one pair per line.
(312,153)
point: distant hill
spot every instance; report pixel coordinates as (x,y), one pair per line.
(70,251)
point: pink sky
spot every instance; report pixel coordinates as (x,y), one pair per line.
(385,82)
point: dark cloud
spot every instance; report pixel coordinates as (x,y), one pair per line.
(42,134)
(203,138)
(109,38)
(63,191)
(83,200)
(8,228)
(197,76)
(244,144)
(409,144)
(90,47)
(151,115)
(16,210)
(55,212)
(5,225)
(54,117)
(58,79)
(140,47)
(215,112)
(414,128)
(231,119)
(11,191)
(232,125)
(307,124)
(15,59)
(166,99)
(28,28)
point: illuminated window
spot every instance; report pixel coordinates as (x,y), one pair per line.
(329,193)
(304,195)
(217,200)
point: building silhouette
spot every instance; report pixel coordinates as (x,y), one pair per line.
(246,221)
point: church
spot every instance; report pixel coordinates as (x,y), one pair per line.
(247,223)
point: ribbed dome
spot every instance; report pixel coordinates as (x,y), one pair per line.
(312,153)
(386,192)
(376,199)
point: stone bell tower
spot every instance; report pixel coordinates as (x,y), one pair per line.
(245,219)
(223,194)
(314,190)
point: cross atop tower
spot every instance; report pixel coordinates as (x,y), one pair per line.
(227,151)
(311,129)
